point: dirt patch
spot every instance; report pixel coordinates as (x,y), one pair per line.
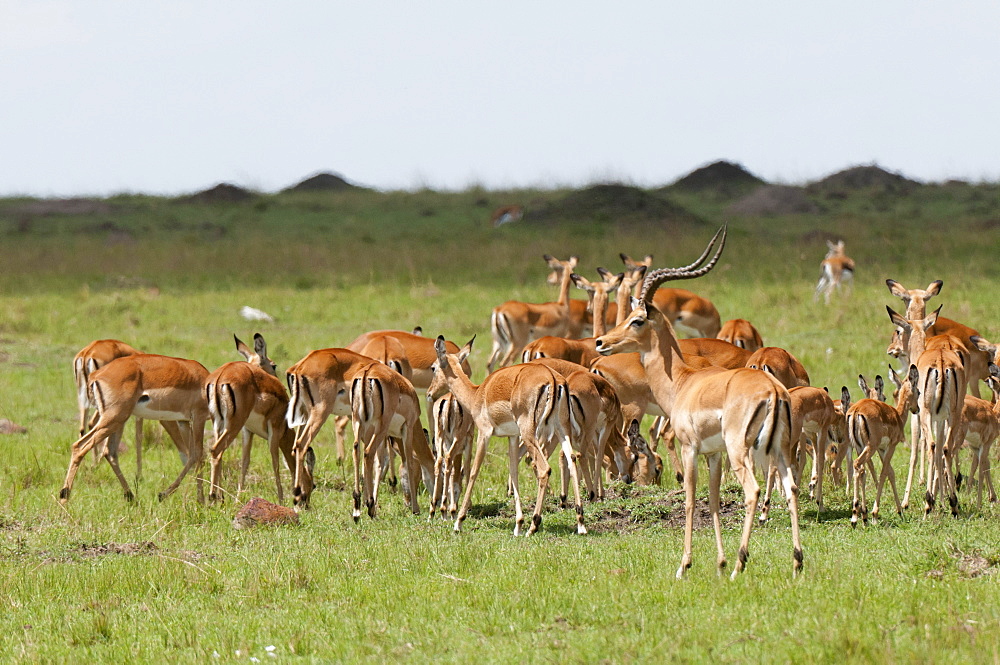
(772,200)
(87,551)
(667,511)
(222,193)
(323,182)
(10,427)
(862,178)
(618,204)
(722,177)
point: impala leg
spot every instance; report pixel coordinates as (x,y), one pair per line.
(714,484)
(358,460)
(792,497)
(340,424)
(303,485)
(223,439)
(743,470)
(245,459)
(192,435)
(111,454)
(886,456)
(542,472)
(819,454)
(138,448)
(860,503)
(372,450)
(477,463)
(770,481)
(514,458)
(914,445)
(410,460)
(440,473)
(567,450)
(690,456)
(984,472)
(564,480)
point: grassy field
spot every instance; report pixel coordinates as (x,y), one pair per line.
(172,581)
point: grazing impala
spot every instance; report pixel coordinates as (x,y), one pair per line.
(95,355)
(783,365)
(147,386)
(835,270)
(741,412)
(741,333)
(248,396)
(689,313)
(874,426)
(527,403)
(514,324)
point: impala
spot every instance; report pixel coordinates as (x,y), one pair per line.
(248,396)
(384,405)
(874,426)
(152,387)
(95,355)
(814,415)
(835,270)
(688,312)
(453,426)
(979,429)
(783,365)
(739,412)
(514,324)
(943,386)
(741,333)
(527,403)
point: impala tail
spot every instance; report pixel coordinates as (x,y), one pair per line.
(221,406)
(772,419)
(300,400)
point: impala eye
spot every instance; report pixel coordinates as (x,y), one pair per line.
(637,323)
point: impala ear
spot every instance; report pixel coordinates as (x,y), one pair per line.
(863,384)
(242,348)
(259,345)
(896,380)
(633,429)
(582,282)
(615,280)
(934,288)
(914,376)
(439,346)
(932,319)
(898,320)
(417,330)
(845,398)
(464,352)
(640,272)
(898,290)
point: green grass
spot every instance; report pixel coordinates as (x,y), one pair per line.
(152,581)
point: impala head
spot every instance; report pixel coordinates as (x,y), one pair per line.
(635,332)
(834,249)
(598,291)
(915,299)
(878,392)
(258,356)
(558,266)
(439,382)
(906,391)
(648,466)
(993,380)
(985,347)
(909,331)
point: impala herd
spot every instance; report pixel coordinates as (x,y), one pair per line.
(591,369)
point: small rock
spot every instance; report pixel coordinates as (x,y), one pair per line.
(8,427)
(259,511)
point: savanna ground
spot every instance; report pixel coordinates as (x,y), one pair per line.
(100,579)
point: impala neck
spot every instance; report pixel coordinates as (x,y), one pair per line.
(622,299)
(600,307)
(459,383)
(564,287)
(665,367)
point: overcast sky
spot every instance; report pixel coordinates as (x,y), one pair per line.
(102,97)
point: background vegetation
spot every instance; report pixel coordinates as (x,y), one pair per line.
(173,581)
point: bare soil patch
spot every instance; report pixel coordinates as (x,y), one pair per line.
(87,550)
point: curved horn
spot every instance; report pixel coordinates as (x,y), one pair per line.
(657,277)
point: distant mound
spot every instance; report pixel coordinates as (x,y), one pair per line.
(722,177)
(222,193)
(613,203)
(859,178)
(323,182)
(771,200)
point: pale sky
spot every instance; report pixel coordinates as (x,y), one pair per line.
(102,97)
